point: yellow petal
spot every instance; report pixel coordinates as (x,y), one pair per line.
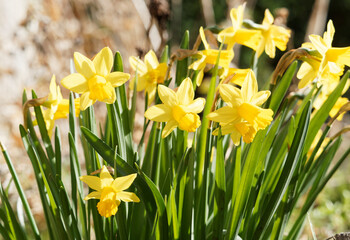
(159,113)
(195,106)
(319,43)
(138,65)
(261,97)
(167,95)
(236,15)
(53,88)
(204,40)
(127,197)
(270,48)
(226,36)
(169,127)
(117,78)
(84,66)
(236,137)
(76,83)
(329,34)
(230,94)
(93,195)
(85,101)
(249,87)
(199,64)
(151,60)
(224,115)
(306,74)
(185,93)
(199,77)
(122,183)
(103,61)
(268,18)
(247,37)
(93,182)
(151,92)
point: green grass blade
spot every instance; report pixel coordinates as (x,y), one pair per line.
(21,193)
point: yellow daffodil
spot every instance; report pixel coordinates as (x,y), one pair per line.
(150,73)
(179,109)
(209,56)
(243,115)
(272,36)
(110,191)
(328,63)
(57,107)
(237,34)
(94,79)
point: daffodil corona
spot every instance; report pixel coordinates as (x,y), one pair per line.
(243,116)
(179,109)
(110,191)
(94,79)
(150,74)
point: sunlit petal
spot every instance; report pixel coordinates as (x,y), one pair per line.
(103,61)
(84,65)
(76,83)
(122,183)
(159,113)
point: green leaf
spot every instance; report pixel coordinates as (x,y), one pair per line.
(282,87)
(292,160)
(322,114)
(182,65)
(21,193)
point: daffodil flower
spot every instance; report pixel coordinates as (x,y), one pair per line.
(150,74)
(329,65)
(237,34)
(179,109)
(209,56)
(272,36)
(94,79)
(57,107)
(243,115)
(110,191)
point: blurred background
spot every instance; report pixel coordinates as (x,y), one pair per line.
(38,39)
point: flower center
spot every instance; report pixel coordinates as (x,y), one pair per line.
(100,89)
(187,121)
(108,204)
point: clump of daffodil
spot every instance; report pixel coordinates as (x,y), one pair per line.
(327,63)
(243,116)
(110,191)
(56,106)
(209,56)
(150,74)
(94,80)
(237,34)
(179,109)
(272,36)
